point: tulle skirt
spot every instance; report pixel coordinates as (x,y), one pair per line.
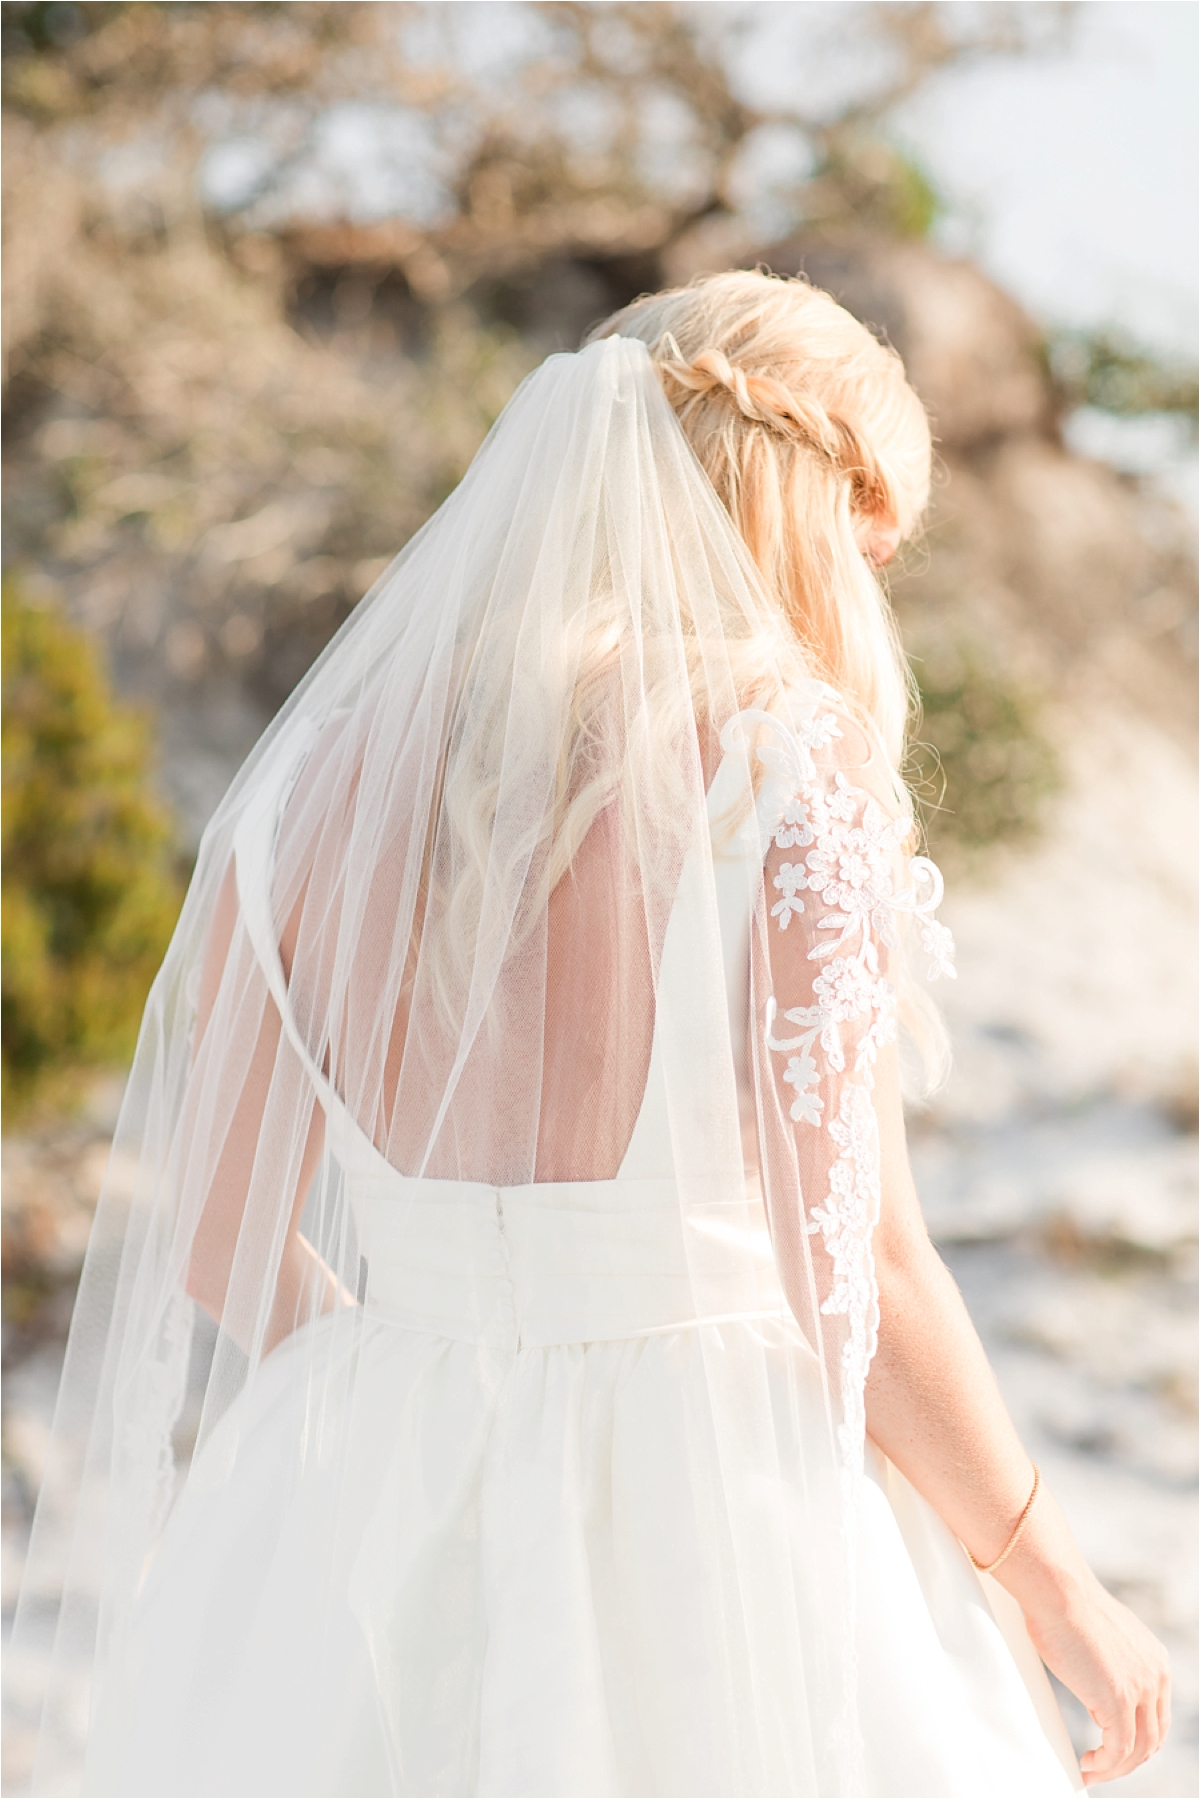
(492,1572)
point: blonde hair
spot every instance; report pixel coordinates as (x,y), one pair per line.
(808,430)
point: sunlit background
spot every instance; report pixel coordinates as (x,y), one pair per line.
(272,270)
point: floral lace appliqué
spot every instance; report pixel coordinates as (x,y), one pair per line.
(846,871)
(846,1223)
(848,876)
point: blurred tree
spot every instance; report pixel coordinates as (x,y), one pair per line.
(90,885)
(1106,369)
(503,134)
(272,270)
(982,765)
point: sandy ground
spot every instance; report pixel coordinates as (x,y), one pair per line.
(1057,1171)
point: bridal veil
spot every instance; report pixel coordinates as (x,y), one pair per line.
(455,916)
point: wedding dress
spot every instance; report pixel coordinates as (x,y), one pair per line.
(537,966)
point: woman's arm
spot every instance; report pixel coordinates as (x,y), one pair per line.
(935,1410)
(835,879)
(304,1286)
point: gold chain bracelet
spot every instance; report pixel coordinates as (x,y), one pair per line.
(989,1567)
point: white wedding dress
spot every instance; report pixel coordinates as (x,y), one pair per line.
(517,1070)
(517,1599)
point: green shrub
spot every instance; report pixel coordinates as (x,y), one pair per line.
(983,767)
(1108,370)
(90,883)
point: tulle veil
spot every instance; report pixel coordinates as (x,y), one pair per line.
(455,914)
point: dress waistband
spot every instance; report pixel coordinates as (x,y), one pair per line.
(558,1263)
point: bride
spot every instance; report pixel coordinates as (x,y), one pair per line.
(509,1357)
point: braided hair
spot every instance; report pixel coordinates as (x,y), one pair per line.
(795,415)
(813,439)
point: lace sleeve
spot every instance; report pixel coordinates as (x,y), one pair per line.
(838,884)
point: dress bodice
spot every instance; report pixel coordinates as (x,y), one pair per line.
(552,1262)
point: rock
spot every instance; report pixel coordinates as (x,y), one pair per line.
(971,352)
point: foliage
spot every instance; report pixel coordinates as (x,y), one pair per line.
(865,185)
(90,887)
(984,767)
(1106,369)
(601,129)
(227,405)
(186,458)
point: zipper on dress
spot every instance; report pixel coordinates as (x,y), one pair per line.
(500,1225)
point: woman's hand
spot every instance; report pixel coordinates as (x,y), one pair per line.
(1114,1666)
(934,1409)
(1094,1644)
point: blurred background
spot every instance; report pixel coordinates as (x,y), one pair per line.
(270,272)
